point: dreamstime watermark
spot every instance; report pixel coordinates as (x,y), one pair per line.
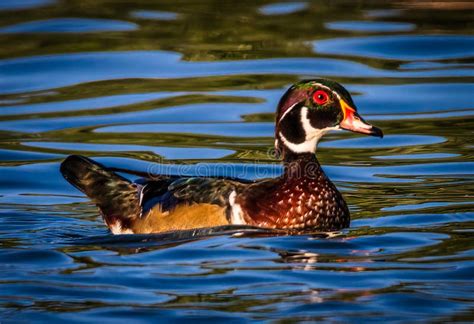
(267,167)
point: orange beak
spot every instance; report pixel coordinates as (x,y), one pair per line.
(352,121)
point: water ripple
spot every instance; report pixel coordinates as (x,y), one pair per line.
(401,47)
(27,74)
(69,25)
(369,26)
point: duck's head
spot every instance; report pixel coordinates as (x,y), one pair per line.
(311,108)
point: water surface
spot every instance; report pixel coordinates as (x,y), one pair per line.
(192,89)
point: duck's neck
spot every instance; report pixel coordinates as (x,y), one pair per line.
(301,165)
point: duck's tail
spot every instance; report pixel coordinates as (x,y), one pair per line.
(118,199)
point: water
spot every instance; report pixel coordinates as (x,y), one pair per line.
(192,88)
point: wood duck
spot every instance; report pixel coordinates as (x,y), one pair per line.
(301,199)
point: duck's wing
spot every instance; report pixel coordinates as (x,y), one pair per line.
(206,190)
(185,203)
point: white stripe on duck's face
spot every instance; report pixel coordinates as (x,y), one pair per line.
(297,133)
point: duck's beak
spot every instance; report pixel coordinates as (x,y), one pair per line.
(353,122)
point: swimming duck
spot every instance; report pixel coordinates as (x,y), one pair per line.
(301,199)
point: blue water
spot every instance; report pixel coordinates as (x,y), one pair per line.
(191,88)
(69,25)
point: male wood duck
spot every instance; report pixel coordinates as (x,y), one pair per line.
(301,199)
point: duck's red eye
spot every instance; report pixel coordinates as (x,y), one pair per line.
(320,97)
